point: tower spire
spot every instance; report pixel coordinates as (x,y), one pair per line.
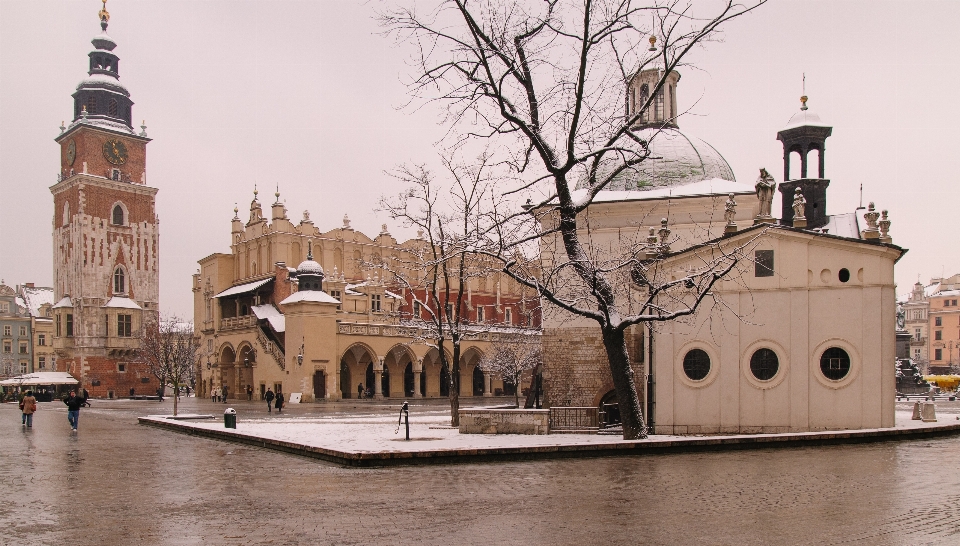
(104,16)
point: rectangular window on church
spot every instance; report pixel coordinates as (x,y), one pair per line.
(375,303)
(69,324)
(124,325)
(479,314)
(417,312)
(763,263)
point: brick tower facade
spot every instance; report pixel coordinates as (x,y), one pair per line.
(105,235)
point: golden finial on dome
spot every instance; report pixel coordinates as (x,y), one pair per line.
(803,102)
(104,14)
(653,43)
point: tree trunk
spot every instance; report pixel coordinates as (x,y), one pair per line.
(630,411)
(175,399)
(455,387)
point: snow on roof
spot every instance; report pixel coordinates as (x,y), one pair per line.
(948,293)
(804,118)
(122,303)
(712,186)
(243,288)
(36,297)
(392,295)
(314,296)
(265,311)
(843,225)
(278,322)
(41,378)
(65,302)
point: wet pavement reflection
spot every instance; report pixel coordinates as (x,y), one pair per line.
(117,482)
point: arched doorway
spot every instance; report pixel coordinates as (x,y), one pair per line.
(408,380)
(444,381)
(478,381)
(609,409)
(346,383)
(228,371)
(319,385)
(368,380)
(384,381)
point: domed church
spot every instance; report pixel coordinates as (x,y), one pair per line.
(799,337)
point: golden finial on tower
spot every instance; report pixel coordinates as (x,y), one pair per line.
(104,14)
(653,43)
(803,102)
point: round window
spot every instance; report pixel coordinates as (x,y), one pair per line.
(696,364)
(844,275)
(835,363)
(764,364)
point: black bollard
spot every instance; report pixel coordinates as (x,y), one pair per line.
(406,418)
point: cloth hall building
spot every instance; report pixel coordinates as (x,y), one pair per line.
(299,310)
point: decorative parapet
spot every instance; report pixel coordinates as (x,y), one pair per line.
(238,323)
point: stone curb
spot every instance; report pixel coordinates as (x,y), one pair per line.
(606,449)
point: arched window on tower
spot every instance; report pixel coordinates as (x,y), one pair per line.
(117,217)
(112,107)
(92,104)
(66,213)
(119,281)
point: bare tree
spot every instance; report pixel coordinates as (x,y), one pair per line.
(543,83)
(169,350)
(512,357)
(437,270)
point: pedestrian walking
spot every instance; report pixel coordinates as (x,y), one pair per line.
(249,392)
(73,403)
(86,397)
(360,390)
(224,394)
(279,402)
(160,394)
(213,394)
(28,406)
(269,398)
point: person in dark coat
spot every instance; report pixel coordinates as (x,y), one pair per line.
(86,397)
(269,398)
(73,403)
(224,394)
(360,390)
(278,403)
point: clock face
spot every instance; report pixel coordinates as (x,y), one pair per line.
(71,152)
(115,152)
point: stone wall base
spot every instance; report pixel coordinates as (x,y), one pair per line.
(504,421)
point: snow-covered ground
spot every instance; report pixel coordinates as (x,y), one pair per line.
(430,432)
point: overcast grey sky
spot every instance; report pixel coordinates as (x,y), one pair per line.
(305,95)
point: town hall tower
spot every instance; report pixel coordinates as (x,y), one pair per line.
(105,234)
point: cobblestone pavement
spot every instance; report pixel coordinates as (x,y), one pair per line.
(116,482)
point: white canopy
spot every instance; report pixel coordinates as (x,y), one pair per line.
(243,288)
(41,378)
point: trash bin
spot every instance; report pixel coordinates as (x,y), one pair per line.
(230,418)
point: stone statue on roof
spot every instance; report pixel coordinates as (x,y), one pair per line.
(799,205)
(766,188)
(730,210)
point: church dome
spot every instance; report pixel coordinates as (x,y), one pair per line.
(675,160)
(309,267)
